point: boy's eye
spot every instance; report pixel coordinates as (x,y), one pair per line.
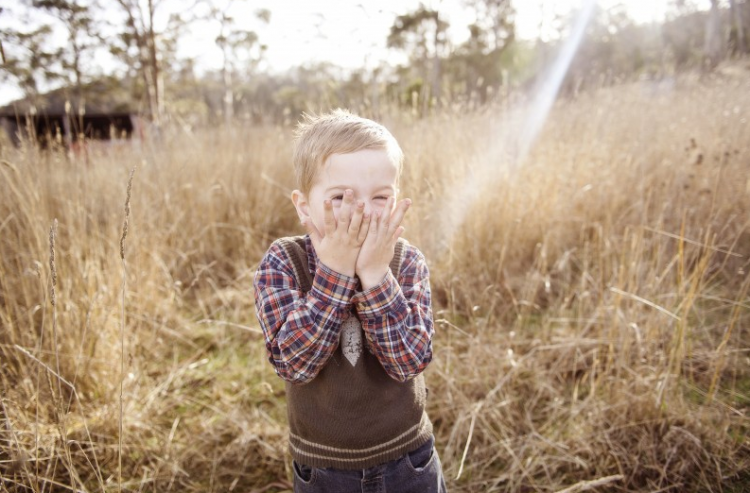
(337,197)
(381,197)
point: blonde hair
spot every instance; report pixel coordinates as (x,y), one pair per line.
(337,132)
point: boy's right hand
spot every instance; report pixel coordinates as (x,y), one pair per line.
(339,243)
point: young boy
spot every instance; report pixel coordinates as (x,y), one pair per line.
(347,317)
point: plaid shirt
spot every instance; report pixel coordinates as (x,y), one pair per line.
(302,330)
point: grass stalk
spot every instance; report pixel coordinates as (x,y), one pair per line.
(125,227)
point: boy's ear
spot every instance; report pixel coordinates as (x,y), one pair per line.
(301,204)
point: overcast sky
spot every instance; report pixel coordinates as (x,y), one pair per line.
(348,33)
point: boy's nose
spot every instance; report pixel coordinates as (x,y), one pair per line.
(372,207)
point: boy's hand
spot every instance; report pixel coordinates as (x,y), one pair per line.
(339,243)
(378,248)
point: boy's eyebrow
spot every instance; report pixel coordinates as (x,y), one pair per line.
(344,187)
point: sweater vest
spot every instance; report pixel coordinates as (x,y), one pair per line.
(352,415)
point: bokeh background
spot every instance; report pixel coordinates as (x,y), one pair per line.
(580,173)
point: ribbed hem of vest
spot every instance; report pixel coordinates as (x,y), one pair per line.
(318,455)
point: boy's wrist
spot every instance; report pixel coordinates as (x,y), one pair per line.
(339,269)
(370,279)
(372,304)
(341,272)
(332,287)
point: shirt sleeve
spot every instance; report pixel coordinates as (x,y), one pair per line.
(301,331)
(396,316)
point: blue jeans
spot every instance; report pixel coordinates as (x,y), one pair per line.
(416,472)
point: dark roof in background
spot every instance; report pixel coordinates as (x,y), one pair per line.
(102,97)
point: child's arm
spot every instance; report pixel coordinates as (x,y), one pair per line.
(397,319)
(301,331)
(396,316)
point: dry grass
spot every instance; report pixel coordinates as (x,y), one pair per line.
(592,303)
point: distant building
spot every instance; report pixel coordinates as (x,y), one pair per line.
(70,130)
(104,116)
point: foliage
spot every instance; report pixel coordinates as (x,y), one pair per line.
(29,61)
(488,64)
(83,37)
(422,34)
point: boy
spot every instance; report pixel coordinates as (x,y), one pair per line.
(347,319)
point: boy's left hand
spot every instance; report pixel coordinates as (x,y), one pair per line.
(378,248)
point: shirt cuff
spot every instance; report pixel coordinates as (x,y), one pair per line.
(378,300)
(333,288)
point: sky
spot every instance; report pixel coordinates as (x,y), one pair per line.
(348,33)
(353,33)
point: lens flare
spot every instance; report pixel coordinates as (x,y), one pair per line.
(549,84)
(515,132)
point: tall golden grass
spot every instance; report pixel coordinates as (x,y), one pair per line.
(591,303)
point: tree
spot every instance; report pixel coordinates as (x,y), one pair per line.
(150,45)
(494,22)
(76,17)
(236,45)
(30,61)
(612,46)
(422,34)
(738,28)
(684,34)
(479,62)
(714,43)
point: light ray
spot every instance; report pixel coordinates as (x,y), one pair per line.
(515,131)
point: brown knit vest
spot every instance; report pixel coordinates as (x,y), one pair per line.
(352,416)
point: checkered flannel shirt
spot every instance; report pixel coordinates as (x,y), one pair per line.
(302,330)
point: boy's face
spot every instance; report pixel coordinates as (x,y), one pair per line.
(370,174)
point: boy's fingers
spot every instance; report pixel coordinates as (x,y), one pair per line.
(345,213)
(377,217)
(388,209)
(383,217)
(356,222)
(329,220)
(399,213)
(365,228)
(399,231)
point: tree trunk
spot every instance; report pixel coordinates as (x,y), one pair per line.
(375,93)
(713,47)
(77,71)
(154,63)
(436,65)
(739,28)
(226,77)
(144,41)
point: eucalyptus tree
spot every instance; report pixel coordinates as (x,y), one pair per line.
(738,28)
(29,60)
(479,64)
(714,45)
(147,48)
(422,34)
(82,38)
(239,46)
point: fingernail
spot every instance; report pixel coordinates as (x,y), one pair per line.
(360,204)
(408,202)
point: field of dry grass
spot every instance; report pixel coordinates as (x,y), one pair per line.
(592,304)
